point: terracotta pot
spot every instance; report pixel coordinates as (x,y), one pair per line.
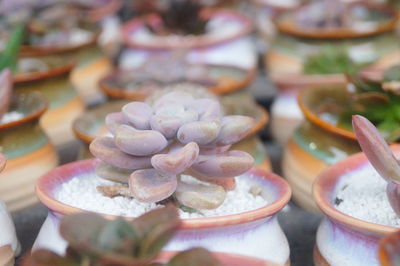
(220,80)
(27,149)
(315,144)
(64,102)
(253,233)
(226,259)
(91,124)
(342,239)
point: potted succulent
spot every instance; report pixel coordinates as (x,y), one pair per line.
(360,199)
(119,242)
(91,124)
(182,157)
(326,136)
(27,148)
(207,35)
(9,246)
(321,41)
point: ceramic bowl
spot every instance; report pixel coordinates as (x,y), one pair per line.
(64,102)
(315,144)
(217,78)
(342,239)
(28,151)
(254,233)
(91,124)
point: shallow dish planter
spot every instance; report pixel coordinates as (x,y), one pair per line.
(341,238)
(217,78)
(236,233)
(226,41)
(53,83)
(27,149)
(287,59)
(315,144)
(91,124)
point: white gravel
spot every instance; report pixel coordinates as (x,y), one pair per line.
(362,194)
(10,117)
(81,192)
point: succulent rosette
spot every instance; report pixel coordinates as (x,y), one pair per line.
(176,146)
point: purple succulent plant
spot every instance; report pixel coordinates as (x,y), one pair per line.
(153,145)
(380,156)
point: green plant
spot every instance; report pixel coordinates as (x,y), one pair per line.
(9,56)
(379,102)
(93,240)
(331,60)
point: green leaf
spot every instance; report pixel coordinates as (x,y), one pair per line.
(194,257)
(9,56)
(157,227)
(118,236)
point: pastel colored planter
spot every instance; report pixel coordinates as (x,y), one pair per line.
(254,233)
(91,124)
(294,45)
(28,151)
(315,144)
(232,46)
(217,78)
(341,239)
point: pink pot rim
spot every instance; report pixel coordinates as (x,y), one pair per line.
(325,184)
(50,181)
(195,42)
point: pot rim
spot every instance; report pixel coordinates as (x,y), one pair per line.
(200,41)
(52,72)
(304,80)
(50,181)
(316,120)
(87,138)
(32,116)
(341,33)
(325,184)
(116,92)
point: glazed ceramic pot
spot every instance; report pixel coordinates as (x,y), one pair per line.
(91,124)
(342,239)
(376,48)
(28,151)
(231,46)
(315,144)
(53,83)
(253,233)
(218,79)
(226,259)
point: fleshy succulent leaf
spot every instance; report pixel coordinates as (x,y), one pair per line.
(43,257)
(157,228)
(392,74)
(3,161)
(5,90)
(376,149)
(194,257)
(393,193)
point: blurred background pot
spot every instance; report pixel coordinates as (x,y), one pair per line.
(27,149)
(315,144)
(342,239)
(231,233)
(301,57)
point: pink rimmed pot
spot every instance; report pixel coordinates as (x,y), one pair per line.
(255,233)
(342,239)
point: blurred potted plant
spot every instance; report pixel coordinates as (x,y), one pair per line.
(361,202)
(22,140)
(119,242)
(319,43)
(326,136)
(175,150)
